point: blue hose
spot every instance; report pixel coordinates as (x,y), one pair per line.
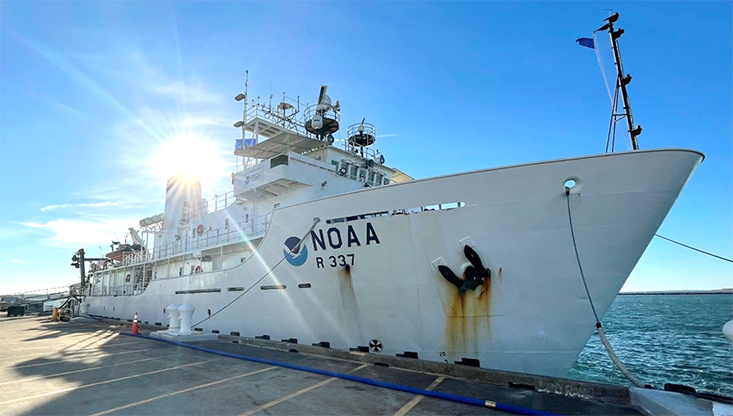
(434,394)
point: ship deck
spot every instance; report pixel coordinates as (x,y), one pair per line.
(89,367)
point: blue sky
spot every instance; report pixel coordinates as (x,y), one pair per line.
(100,102)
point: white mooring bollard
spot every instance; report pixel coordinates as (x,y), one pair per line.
(173,322)
(186,312)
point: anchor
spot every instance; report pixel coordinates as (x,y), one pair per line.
(475,275)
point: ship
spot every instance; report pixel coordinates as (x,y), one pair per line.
(320,241)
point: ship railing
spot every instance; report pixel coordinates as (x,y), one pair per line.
(327,113)
(264,112)
(243,231)
(126,289)
(365,152)
(366,128)
(214,204)
(249,162)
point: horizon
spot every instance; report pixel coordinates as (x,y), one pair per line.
(102,102)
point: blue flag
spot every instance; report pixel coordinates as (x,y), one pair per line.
(238,144)
(250,142)
(587,42)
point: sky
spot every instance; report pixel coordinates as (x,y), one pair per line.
(100,102)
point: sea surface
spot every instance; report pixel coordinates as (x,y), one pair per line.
(664,339)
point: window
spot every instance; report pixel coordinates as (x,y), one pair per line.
(278,160)
(371,177)
(379,178)
(335,163)
(354,170)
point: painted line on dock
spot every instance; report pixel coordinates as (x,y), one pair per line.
(100,383)
(127,406)
(68,360)
(94,346)
(72,333)
(297,393)
(61,336)
(81,344)
(55,345)
(86,369)
(412,403)
(74,351)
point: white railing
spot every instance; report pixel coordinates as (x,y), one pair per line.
(214,204)
(138,264)
(243,231)
(288,121)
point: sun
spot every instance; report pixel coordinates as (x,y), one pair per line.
(189,156)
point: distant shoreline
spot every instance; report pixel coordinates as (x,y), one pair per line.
(683,292)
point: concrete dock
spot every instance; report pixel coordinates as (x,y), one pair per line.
(87,367)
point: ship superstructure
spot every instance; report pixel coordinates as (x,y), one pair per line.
(283,158)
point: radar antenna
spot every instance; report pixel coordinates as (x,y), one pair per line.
(362,134)
(322,119)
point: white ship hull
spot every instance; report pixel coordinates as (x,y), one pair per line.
(533,315)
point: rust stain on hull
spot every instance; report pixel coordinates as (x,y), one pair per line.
(349,304)
(469,322)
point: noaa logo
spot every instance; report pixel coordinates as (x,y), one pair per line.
(295,259)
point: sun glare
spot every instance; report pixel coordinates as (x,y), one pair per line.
(188,156)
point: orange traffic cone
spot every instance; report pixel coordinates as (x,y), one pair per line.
(134,325)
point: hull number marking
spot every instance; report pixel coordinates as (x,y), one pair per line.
(335,261)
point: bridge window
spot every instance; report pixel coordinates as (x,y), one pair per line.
(278,160)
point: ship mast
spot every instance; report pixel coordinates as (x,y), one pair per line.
(621,80)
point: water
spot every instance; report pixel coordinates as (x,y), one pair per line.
(664,339)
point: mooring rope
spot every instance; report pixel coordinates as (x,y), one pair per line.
(599,327)
(693,248)
(295,250)
(240,296)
